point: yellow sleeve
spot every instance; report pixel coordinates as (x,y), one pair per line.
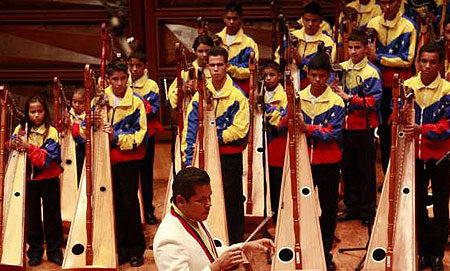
(128,141)
(239,128)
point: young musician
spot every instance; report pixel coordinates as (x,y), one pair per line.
(395,50)
(149,91)
(325,26)
(323,117)
(75,118)
(233,120)
(309,38)
(202,44)
(183,241)
(365,9)
(362,110)
(127,128)
(275,108)
(238,44)
(41,143)
(432,136)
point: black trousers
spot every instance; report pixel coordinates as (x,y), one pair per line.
(358,172)
(326,178)
(146,177)
(234,196)
(432,233)
(275,177)
(384,129)
(130,237)
(48,191)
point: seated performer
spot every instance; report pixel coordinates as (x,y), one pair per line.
(232,120)
(323,117)
(149,91)
(183,241)
(362,110)
(238,45)
(432,137)
(42,175)
(127,128)
(74,119)
(201,47)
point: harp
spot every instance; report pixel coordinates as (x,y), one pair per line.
(12,193)
(92,241)
(68,178)
(393,243)
(298,237)
(255,188)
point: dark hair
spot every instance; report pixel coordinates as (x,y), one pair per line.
(313,8)
(186,180)
(320,61)
(202,39)
(116,66)
(234,7)
(272,65)
(219,51)
(41,100)
(359,35)
(432,47)
(80,91)
(139,55)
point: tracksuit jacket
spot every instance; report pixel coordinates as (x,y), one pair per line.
(325,26)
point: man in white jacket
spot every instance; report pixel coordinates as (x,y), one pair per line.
(183,241)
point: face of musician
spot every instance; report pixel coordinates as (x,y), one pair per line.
(357,51)
(197,207)
(137,68)
(318,80)
(202,54)
(429,67)
(390,8)
(218,68)
(232,21)
(36,113)
(78,101)
(271,78)
(312,23)
(118,80)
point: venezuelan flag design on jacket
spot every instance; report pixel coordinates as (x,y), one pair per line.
(396,45)
(239,53)
(232,120)
(325,26)
(44,152)
(308,49)
(173,90)
(324,116)
(432,105)
(275,110)
(355,118)
(149,91)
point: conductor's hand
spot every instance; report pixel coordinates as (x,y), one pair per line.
(228,259)
(263,245)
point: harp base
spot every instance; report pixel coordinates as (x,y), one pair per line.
(4,267)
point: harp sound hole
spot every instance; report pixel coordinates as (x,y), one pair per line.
(306,191)
(218,243)
(14,155)
(102,188)
(259,149)
(379,254)
(17,194)
(212,123)
(286,255)
(406,190)
(78,249)
(401,134)
(68,161)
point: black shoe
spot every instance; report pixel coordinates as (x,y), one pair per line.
(35,261)
(136,261)
(58,259)
(123,259)
(424,262)
(331,266)
(151,219)
(346,216)
(436,264)
(366,222)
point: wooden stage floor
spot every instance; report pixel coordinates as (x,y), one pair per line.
(350,233)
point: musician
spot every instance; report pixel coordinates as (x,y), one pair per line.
(365,11)
(233,120)
(362,110)
(322,119)
(238,44)
(74,120)
(41,144)
(149,91)
(202,44)
(325,26)
(395,49)
(432,136)
(127,128)
(309,38)
(275,108)
(183,241)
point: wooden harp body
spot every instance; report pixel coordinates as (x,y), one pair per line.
(177,162)
(402,248)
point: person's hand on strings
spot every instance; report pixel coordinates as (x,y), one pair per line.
(98,118)
(228,259)
(107,128)
(303,127)
(264,245)
(21,145)
(189,87)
